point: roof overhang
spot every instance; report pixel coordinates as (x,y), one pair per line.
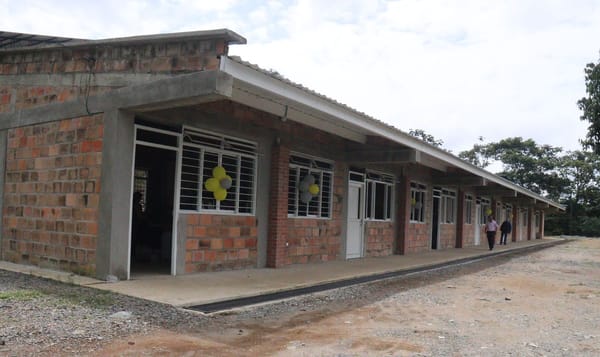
(266,91)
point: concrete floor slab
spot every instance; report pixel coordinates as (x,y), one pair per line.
(204,288)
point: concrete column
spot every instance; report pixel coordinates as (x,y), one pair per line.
(113,250)
(402,215)
(278,232)
(3,147)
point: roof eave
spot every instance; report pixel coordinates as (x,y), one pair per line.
(355,119)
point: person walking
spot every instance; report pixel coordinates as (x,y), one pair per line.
(505,230)
(490,230)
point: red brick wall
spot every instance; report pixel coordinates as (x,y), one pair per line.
(220,242)
(51,194)
(447,236)
(419,236)
(166,58)
(278,232)
(380,238)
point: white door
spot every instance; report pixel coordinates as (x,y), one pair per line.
(354,231)
(522,218)
(477,225)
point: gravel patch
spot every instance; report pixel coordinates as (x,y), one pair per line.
(540,304)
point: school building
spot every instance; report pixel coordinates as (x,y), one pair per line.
(164,154)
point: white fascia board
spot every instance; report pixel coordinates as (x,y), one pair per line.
(280,88)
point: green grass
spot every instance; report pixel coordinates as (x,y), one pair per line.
(20,295)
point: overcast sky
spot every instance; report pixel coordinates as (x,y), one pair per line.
(456,69)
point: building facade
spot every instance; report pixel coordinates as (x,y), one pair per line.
(164,154)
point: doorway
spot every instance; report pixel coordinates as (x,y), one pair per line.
(153,201)
(435,223)
(354,231)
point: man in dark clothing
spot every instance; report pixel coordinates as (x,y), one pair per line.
(505,229)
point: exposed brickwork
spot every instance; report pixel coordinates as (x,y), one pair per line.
(220,242)
(541,227)
(379,239)
(167,58)
(278,231)
(52,188)
(402,215)
(447,236)
(469,234)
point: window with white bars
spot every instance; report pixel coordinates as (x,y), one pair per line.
(379,196)
(448,213)
(301,201)
(486,207)
(201,153)
(469,209)
(507,212)
(417,202)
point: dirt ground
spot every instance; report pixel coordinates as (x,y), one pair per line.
(545,303)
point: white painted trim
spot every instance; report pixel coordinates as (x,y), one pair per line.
(177,176)
(176,194)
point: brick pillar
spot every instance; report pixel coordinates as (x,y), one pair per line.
(278,201)
(515,223)
(460,219)
(542,218)
(402,214)
(530,221)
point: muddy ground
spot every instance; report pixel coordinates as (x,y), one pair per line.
(545,303)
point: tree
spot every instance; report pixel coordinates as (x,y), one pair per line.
(590,106)
(572,178)
(524,162)
(421,134)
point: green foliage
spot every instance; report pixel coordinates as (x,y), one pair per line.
(524,162)
(421,134)
(572,178)
(590,105)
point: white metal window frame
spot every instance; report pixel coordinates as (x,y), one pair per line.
(419,190)
(328,199)
(220,152)
(485,203)
(448,206)
(387,181)
(468,209)
(507,211)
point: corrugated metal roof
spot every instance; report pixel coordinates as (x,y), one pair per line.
(406,138)
(9,40)
(278,76)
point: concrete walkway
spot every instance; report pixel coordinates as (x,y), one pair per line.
(203,288)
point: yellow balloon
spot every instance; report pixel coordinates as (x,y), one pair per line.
(212,184)
(313,189)
(488,211)
(219,172)
(220,194)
